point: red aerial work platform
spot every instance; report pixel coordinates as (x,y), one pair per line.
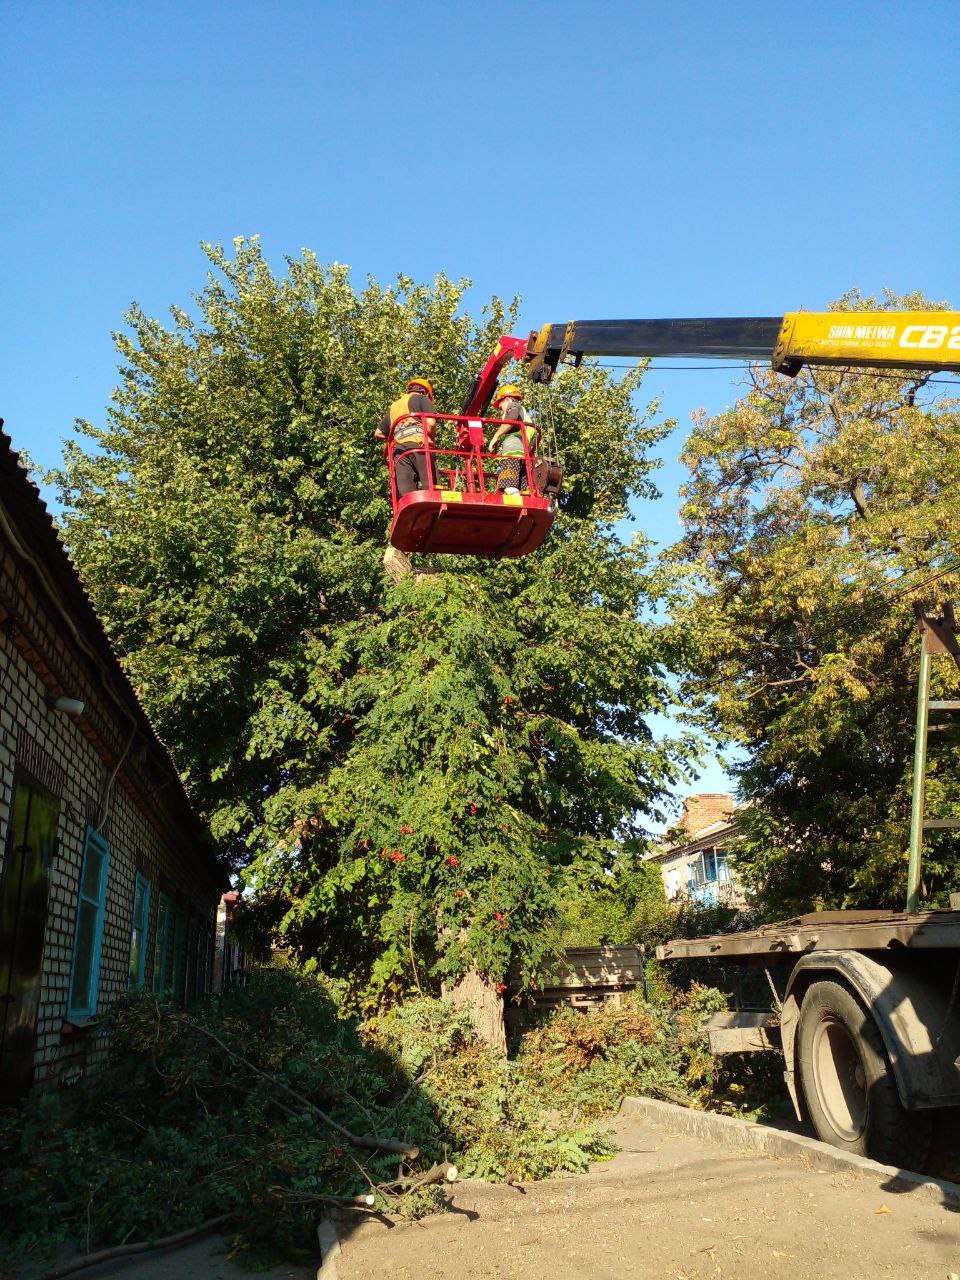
(465,514)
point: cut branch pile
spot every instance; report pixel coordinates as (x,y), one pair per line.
(267,1104)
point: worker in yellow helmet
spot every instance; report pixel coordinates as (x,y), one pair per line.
(508,406)
(409,435)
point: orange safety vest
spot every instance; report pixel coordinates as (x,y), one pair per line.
(403,428)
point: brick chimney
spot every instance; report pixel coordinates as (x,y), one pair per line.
(703,810)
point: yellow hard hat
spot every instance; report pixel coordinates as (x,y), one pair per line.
(425,383)
(508,390)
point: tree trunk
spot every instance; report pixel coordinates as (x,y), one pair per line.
(480,997)
(396,564)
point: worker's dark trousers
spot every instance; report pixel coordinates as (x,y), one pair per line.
(413,472)
(512,474)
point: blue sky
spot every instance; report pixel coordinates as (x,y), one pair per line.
(601,160)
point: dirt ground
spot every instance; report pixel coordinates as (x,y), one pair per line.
(669,1207)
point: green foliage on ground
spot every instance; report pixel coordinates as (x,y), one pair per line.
(403,771)
(175,1131)
(817,511)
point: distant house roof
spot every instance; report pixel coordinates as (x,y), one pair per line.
(706,821)
(35,538)
(715,835)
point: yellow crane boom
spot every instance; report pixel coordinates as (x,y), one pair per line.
(922,340)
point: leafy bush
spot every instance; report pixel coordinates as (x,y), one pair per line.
(589,1062)
(495,1123)
(208,1112)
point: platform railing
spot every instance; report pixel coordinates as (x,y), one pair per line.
(474,469)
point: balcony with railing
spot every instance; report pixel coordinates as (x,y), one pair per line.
(710,882)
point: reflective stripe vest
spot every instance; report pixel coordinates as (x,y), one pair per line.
(404,429)
(513,443)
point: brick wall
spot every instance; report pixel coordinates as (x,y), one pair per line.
(703,810)
(148,826)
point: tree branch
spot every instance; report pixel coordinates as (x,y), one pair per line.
(369,1142)
(145,1246)
(859,496)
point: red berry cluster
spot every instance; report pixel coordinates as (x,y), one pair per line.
(397,856)
(452,860)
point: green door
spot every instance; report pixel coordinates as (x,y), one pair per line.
(31,844)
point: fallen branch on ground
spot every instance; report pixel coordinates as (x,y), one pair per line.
(145,1246)
(365,1201)
(442,1172)
(369,1142)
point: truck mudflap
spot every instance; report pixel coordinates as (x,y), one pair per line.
(918,1021)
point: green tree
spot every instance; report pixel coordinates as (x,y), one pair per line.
(403,771)
(815,513)
(611,902)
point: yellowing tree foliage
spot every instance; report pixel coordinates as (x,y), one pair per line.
(817,512)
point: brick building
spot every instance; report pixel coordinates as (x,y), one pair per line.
(107,878)
(694,861)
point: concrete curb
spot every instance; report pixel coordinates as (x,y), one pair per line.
(329,1243)
(731,1131)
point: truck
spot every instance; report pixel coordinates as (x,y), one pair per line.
(866,1013)
(867,1010)
(867,1021)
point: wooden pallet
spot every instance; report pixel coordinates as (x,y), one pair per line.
(587,978)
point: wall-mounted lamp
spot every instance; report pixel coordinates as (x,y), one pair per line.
(69,706)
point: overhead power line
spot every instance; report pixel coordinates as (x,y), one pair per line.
(898,595)
(890,375)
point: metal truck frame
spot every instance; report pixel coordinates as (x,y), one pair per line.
(869,1018)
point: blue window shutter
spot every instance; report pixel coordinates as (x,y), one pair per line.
(88,929)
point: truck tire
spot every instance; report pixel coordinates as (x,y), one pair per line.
(848,1086)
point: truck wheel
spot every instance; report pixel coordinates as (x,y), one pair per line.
(848,1086)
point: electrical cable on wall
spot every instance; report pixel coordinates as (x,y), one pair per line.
(104,812)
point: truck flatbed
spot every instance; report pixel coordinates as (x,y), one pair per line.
(825,931)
